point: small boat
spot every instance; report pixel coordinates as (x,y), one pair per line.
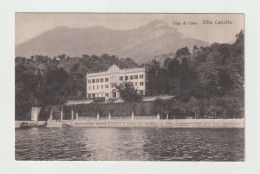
(31,124)
(24,125)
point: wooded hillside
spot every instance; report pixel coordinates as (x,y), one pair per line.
(206,81)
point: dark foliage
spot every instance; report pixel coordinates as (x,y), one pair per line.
(128,93)
(43,81)
(208,82)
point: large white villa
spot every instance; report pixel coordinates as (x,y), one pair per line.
(103,84)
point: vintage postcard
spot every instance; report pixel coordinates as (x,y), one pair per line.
(129,87)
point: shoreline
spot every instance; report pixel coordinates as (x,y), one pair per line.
(177,123)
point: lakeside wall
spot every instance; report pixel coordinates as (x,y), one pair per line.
(178,123)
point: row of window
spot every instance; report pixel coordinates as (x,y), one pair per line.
(141,92)
(97,80)
(113,85)
(131,77)
(96,95)
(141,76)
(136,83)
(101,87)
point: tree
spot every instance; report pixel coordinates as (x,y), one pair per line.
(208,76)
(159,107)
(174,106)
(185,74)
(214,107)
(183,52)
(128,93)
(54,87)
(234,106)
(164,107)
(173,80)
(194,106)
(154,69)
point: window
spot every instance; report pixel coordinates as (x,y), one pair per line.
(89,81)
(113,85)
(89,95)
(136,76)
(101,80)
(126,77)
(93,87)
(89,87)
(106,86)
(102,95)
(131,77)
(141,76)
(101,86)
(141,83)
(93,95)
(107,94)
(121,78)
(97,80)
(135,83)
(106,79)
(93,80)
(97,86)
(141,92)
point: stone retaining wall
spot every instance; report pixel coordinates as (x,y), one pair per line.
(178,123)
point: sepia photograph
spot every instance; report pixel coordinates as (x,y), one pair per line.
(129,86)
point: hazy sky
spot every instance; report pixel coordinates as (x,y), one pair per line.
(29,25)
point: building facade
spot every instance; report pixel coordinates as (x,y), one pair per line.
(103,84)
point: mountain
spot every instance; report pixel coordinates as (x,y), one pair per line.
(142,44)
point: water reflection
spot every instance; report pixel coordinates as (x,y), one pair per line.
(113,144)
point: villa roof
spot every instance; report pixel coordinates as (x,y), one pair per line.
(116,69)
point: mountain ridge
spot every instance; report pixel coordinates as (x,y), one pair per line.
(141,44)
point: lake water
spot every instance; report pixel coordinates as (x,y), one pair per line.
(125,144)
